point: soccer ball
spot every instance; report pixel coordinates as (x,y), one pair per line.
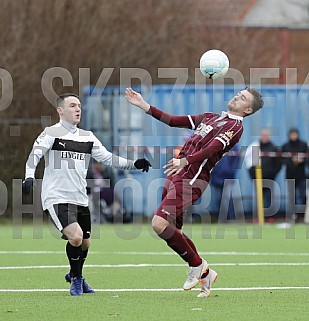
(214,64)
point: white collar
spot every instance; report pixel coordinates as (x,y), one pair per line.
(68,126)
(225,113)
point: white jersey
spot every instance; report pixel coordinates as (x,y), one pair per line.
(67,151)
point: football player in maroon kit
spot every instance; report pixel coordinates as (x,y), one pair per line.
(189,174)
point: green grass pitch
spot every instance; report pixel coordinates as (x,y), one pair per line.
(263,275)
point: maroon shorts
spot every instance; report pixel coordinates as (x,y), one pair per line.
(177,196)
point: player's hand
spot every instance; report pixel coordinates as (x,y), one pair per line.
(175,165)
(142,164)
(27,185)
(136,99)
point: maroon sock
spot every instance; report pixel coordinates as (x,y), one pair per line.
(177,242)
(190,243)
(205,274)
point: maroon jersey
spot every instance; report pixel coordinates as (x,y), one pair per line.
(214,135)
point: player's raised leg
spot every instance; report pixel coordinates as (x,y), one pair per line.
(177,195)
(177,242)
(208,277)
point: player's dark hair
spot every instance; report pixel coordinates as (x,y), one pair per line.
(294,130)
(61,98)
(258,101)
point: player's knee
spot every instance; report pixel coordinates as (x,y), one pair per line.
(74,234)
(159,224)
(76,239)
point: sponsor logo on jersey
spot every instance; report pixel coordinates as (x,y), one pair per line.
(72,146)
(203,129)
(229,134)
(221,123)
(72,155)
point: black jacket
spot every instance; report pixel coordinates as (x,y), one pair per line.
(270,165)
(295,171)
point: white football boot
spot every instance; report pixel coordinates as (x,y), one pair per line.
(194,275)
(207,282)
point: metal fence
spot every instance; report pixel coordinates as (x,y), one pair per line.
(120,127)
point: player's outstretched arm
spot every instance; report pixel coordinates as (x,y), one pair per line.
(136,99)
(101,154)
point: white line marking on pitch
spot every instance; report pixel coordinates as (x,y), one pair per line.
(232,253)
(166,290)
(38,252)
(142,265)
(218,253)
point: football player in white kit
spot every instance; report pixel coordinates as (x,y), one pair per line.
(67,150)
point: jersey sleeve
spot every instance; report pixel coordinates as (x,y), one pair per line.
(101,154)
(205,153)
(41,145)
(230,135)
(185,121)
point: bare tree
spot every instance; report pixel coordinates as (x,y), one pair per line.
(37,35)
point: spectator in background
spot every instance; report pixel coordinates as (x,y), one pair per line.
(270,165)
(104,202)
(295,173)
(306,217)
(222,181)
(95,181)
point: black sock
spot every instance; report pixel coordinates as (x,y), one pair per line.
(84,255)
(74,255)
